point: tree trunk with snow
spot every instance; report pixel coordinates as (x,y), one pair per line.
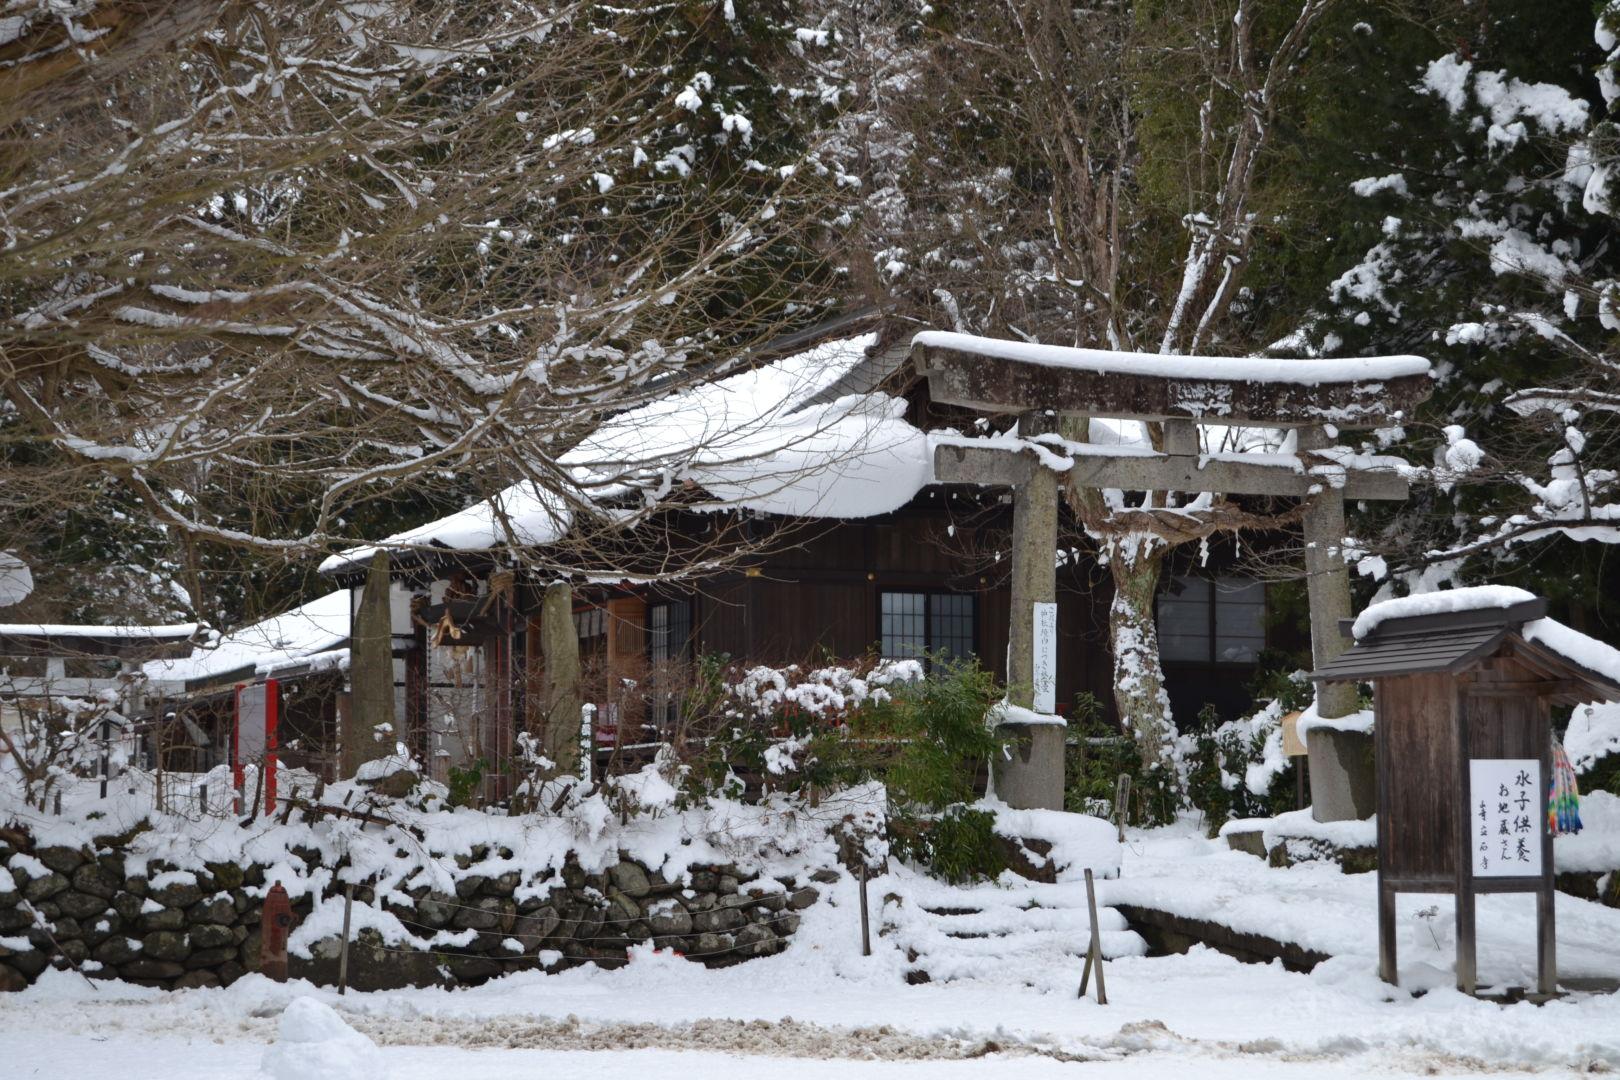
(1136,563)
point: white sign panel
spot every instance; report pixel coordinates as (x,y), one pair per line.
(1506,804)
(1045,650)
(250,723)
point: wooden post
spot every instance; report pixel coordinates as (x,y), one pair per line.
(1122,802)
(343,949)
(1546,923)
(1094,957)
(1388,968)
(105,738)
(1467,952)
(866,926)
(1327,581)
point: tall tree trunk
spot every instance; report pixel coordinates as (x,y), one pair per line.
(1136,562)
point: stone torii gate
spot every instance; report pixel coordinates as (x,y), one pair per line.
(1037,383)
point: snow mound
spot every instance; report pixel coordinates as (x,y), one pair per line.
(1476,598)
(1596,848)
(1077,841)
(315,1044)
(1311,720)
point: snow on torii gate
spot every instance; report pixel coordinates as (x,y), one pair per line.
(1036,382)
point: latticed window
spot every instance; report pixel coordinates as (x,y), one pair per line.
(669,629)
(669,635)
(1212,620)
(936,624)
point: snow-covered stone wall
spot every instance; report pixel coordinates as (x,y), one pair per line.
(68,906)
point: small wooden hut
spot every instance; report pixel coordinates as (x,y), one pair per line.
(1464,683)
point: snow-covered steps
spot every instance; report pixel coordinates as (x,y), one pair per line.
(1022,935)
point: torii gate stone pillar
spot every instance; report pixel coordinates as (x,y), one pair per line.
(1031,777)
(1038,382)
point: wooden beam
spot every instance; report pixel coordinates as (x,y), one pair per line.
(1001,385)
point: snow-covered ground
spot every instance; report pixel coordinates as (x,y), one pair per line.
(820,1009)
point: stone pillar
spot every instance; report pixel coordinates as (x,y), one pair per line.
(1033,777)
(1341,788)
(561,702)
(1328,582)
(371,673)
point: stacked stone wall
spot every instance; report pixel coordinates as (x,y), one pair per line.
(175,928)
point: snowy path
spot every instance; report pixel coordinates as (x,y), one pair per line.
(1201,1014)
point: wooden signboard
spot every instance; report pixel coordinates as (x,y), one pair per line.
(1293,745)
(1462,703)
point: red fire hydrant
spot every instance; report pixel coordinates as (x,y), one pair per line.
(275,924)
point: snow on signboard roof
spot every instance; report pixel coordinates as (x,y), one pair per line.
(1443,602)
(761,439)
(1579,649)
(1301,372)
(1449,628)
(316,629)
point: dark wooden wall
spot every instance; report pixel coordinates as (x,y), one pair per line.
(817,597)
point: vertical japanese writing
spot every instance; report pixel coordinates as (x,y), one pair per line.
(1507,836)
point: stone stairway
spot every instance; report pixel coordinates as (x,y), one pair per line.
(1029,935)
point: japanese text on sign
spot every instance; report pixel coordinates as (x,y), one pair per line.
(1505,813)
(1045,657)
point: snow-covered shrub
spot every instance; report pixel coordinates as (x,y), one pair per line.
(1237,769)
(806,732)
(788,728)
(61,737)
(960,845)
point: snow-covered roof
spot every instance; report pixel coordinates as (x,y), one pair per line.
(313,633)
(1445,601)
(1299,372)
(1451,629)
(762,439)
(1579,649)
(172,632)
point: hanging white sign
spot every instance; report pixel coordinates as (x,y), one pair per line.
(1505,808)
(1045,657)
